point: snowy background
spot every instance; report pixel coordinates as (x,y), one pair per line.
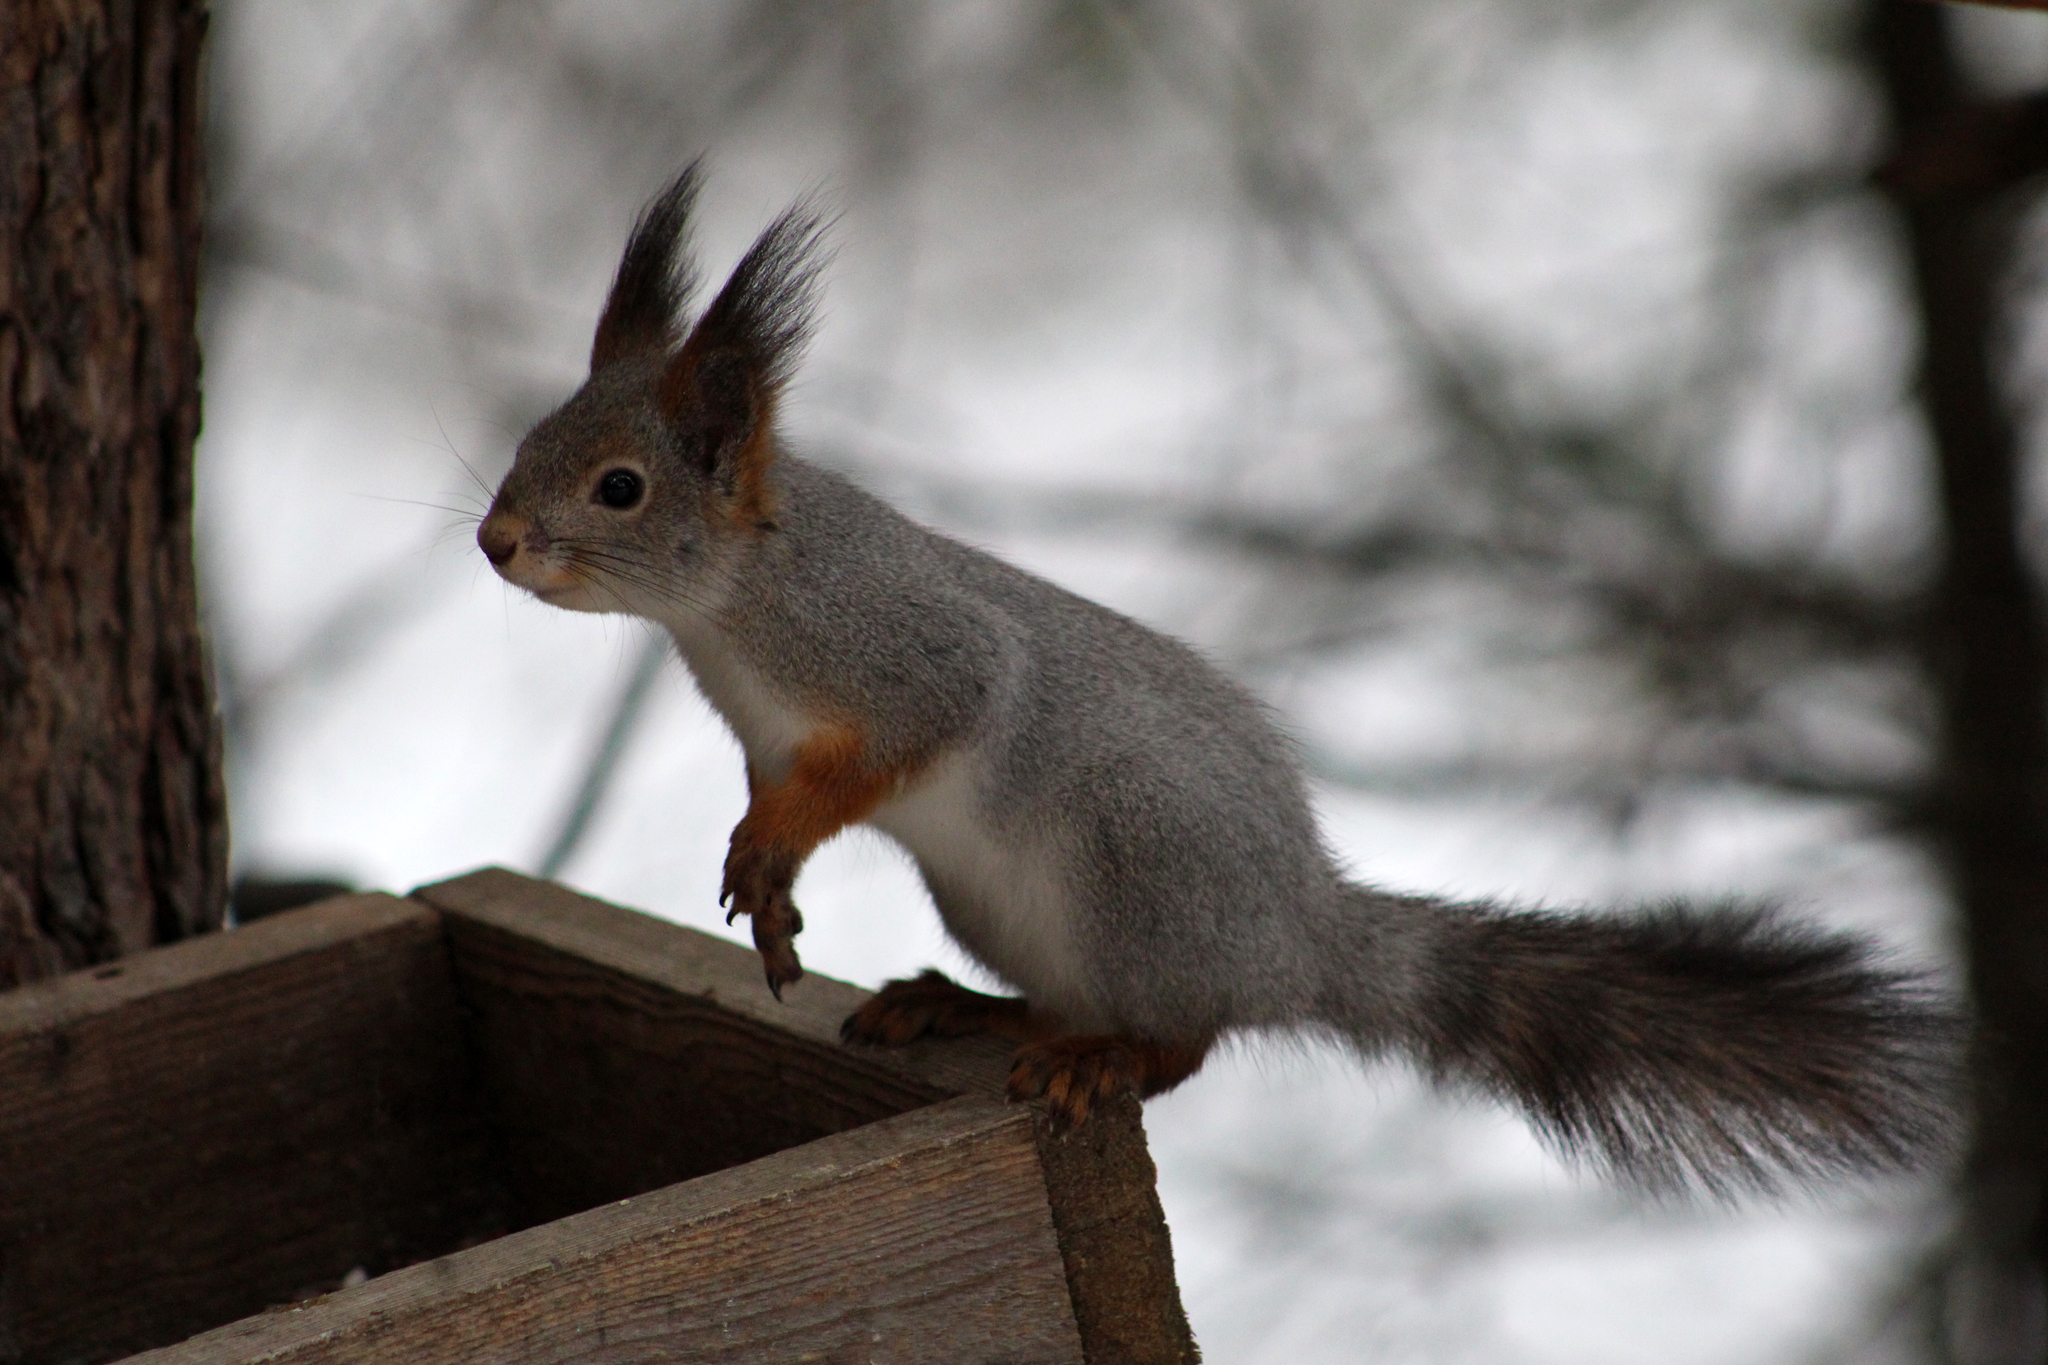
(1055,328)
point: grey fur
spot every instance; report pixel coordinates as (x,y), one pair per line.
(1114,827)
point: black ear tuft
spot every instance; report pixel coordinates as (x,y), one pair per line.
(656,277)
(744,348)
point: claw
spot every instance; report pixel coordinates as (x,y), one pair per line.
(757,885)
(780,973)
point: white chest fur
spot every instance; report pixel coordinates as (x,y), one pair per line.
(1004,898)
(767,727)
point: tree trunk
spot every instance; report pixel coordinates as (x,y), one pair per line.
(1986,657)
(113,827)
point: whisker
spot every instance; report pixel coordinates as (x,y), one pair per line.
(597,581)
(450,530)
(640,573)
(594,560)
(467,514)
(449,441)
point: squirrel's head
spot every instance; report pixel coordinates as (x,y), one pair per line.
(627,496)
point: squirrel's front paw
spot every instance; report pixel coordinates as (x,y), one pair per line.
(757,885)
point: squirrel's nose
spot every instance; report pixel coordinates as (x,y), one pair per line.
(499,537)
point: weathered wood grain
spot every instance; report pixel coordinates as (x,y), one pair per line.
(312,1093)
(636,945)
(923,1238)
(619,1055)
(686,1008)
(197,1132)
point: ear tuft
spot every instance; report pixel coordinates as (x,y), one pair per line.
(756,327)
(656,277)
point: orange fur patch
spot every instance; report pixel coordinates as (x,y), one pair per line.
(753,505)
(828,787)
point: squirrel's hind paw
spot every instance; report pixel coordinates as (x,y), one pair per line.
(931,1003)
(1074,1072)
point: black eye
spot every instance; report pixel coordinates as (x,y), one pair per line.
(619,488)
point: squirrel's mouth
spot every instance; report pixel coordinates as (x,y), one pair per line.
(570,592)
(571,597)
(551,583)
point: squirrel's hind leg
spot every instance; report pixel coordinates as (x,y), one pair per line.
(1074,1071)
(933,1003)
(1071,1071)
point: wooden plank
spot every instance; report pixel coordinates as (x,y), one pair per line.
(621,1053)
(924,1238)
(636,944)
(199,1131)
(694,1014)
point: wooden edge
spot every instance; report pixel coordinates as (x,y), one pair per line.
(1100,1179)
(645,946)
(78,995)
(691,962)
(541,1263)
(1104,1193)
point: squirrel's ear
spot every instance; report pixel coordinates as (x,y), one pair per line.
(724,380)
(656,277)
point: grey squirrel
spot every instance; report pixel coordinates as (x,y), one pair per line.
(1114,828)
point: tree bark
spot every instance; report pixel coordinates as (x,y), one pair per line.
(113,826)
(1989,663)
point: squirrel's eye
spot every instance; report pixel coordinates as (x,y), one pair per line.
(620,488)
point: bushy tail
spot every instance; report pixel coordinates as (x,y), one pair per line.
(1720,1050)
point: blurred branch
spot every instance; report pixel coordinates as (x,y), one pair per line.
(1573,516)
(438,300)
(2000,4)
(1603,786)
(1975,150)
(1291,190)
(1988,663)
(409,70)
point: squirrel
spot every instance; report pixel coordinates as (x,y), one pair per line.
(1113,827)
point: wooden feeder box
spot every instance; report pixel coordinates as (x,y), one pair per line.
(545,1129)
